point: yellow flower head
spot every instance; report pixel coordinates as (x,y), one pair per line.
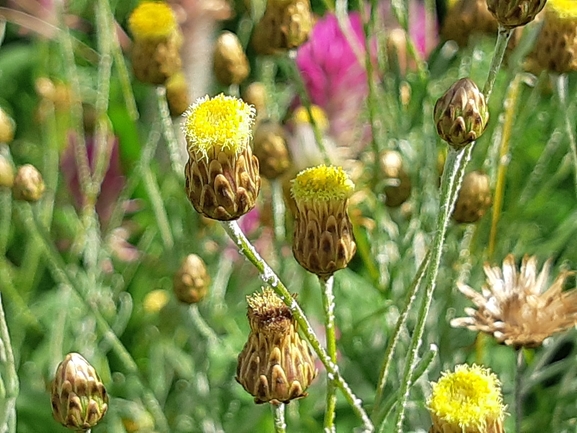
(219,123)
(152,20)
(155,301)
(563,8)
(322,183)
(467,400)
(301,115)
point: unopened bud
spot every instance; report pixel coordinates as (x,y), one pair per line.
(515,13)
(177,94)
(255,94)
(191,281)
(393,172)
(28,184)
(230,62)
(6,173)
(474,198)
(7,127)
(271,149)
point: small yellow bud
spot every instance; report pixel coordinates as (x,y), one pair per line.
(191,282)
(515,13)
(28,184)
(152,20)
(177,94)
(6,173)
(271,149)
(155,300)
(474,198)
(230,62)
(7,127)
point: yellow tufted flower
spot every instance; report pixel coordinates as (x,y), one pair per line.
(467,400)
(152,20)
(322,183)
(222,174)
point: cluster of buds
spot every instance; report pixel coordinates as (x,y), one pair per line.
(79,399)
(398,189)
(28,184)
(286,24)
(461,114)
(230,62)
(275,365)
(515,13)
(157,40)
(474,198)
(191,281)
(222,174)
(323,239)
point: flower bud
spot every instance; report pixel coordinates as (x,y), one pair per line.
(28,184)
(222,174)
(461,114)
(177,94)
(157,40)
(191,281)
(393,172)
(474,198)
(515,13)
(271,149)
(323,239)
(230,62)
(79,399)
(7,127)
(6,173)
(255,94)
(275,365)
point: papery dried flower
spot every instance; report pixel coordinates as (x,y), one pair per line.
(28,184)
(515,13)
(6,172)
(79,399)
(323,239)
(468,400)
(222,174)
(461,114)
(519,308)
(270,148)
(230,62)
(191,281)
(275,365)
(391,163)
(157,40)
(177,94)
(7,127)
(555,47)
(474,198)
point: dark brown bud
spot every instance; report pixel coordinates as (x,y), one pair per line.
(515,13)
(474,198)
(230,62)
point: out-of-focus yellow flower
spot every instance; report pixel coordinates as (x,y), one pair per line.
(152,20)
(155,301)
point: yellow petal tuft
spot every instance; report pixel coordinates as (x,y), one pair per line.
(322,183)
(152,20)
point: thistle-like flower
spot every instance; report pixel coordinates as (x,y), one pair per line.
(515,13)
(461,114)
(230,62)
(275,365)
(519,308)
(191,281)
(222,174)
(79,399)
(467,400)
(474,198)
(157,40)
(28,184)
(323,239)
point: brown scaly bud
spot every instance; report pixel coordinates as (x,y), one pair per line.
(286,24)
(275,365)
(222,174)
(28,184)
(323,240)
(191,281)
(461,114)
(474,198)
(7,127)
(177,94)
(79,399)
(515,13)
(255,94)
(157,40)
(6,173)
(555,47)
(271,149)
(230,62)
(393,172)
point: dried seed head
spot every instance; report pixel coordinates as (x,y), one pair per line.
(467,400)
(7,127)
(393,172)
(157,39)
(230,62)
(286,24)
(177,94)
(515,13)
(474,198)
(6,173)
(461,114)
(28,184)
(275,365)
(191,281)
(271,149)
(222,174)
(555,48)
(520,308)
(255,95)
(79,399)
(323,239)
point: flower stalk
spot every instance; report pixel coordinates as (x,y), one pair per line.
(562,90)
(329,309)
(278,412)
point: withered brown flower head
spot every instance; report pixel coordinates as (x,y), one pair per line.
(275,365)
(518,307)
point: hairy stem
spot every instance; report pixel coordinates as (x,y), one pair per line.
(329,310)
(278,411)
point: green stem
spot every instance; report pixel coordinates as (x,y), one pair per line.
(270,278)
(518,388)
(8,414)
(278,211)
(502,41)
(278,411)
(562,91)
(329,309)
(168,130)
